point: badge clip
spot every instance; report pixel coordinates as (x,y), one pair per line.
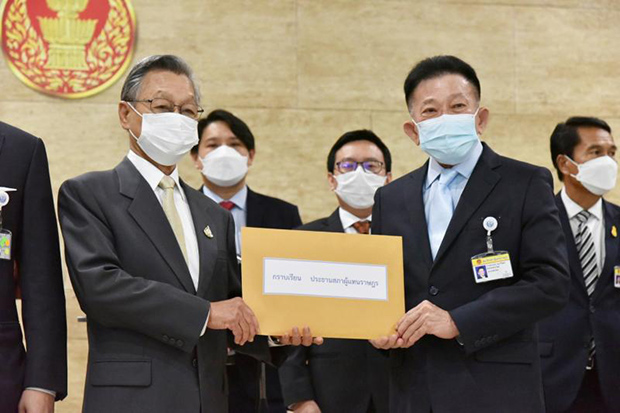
(490,224)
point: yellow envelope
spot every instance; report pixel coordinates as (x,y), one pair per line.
(340,285)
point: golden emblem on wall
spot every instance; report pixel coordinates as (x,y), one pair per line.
(68,48)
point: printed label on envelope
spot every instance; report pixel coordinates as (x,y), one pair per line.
(491,267)
(339,285)
(325,279)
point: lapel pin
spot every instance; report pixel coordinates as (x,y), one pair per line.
(209,233)
(614,231)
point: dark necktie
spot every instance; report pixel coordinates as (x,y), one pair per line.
(228,205)
(362,227)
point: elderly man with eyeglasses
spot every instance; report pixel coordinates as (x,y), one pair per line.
(344,375)
(153,262)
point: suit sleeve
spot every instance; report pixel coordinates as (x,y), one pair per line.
(295,377)
(543,286)
(295,217)
(43,297)
(111,296)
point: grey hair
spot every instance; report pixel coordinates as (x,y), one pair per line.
(169,63)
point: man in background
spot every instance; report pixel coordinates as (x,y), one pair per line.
(224,154)
(579,345)
(30,263)
(344,375)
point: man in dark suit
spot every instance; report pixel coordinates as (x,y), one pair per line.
(223,155)
(468,344)
(579,345)
(344,375)
(153,261)
(30,262)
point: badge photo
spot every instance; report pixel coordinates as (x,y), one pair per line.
(617,276)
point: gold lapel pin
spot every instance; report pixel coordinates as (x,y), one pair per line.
(614,231)
(208,232)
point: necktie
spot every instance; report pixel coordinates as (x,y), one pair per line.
(228,205)
(587,256)
(441,210)
(167,184)
(362,227)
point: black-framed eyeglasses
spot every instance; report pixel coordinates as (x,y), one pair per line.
(163,105)
(373,167)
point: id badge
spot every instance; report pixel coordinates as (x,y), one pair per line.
(491,265)
(617,276)
(5,244)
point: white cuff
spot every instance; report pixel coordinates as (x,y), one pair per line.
(50,392)
(204,329)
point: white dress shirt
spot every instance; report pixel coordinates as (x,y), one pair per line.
(239,211)
(153,177)
(348,219)
(595,224)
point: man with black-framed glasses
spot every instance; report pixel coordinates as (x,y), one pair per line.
(344,375)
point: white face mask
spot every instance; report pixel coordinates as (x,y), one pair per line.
(358,188)
(597,175)
(166,137)
(224,166)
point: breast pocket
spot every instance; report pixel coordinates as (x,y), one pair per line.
(130,373)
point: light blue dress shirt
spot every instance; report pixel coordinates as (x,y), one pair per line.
(239,212)
(456,186)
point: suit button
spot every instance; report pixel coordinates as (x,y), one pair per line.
(495,337)
(433,290)
(172,341)
(477,343)
(179,343)
(195,363)
(592,309)
(165,337)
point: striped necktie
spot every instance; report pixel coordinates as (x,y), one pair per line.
(589,263)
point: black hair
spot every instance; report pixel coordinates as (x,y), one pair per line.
(236,125)
(565,137)
(436,66)
(354,136)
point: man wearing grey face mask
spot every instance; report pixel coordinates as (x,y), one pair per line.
(223,155)
(579,345)
(153,262)
(344,375)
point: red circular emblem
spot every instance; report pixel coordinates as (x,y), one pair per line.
(68,48)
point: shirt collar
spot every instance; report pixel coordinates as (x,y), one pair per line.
(240,199)
(151,174)
(348,219)
(573,208)
(465,168)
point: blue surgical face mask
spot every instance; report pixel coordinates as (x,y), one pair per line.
(448,138)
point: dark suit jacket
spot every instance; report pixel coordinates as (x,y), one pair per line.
(31,218)
(340,375)
(497,369)
(565,336)
(262,212)
(144,315)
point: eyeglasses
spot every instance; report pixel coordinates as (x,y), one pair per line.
(373,167)
(162,105)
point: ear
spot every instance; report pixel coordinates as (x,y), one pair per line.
(123,114)
(482,120)
(388,178)
(251,155)
(331,179)
(565,166)
(196,160)
(411,130)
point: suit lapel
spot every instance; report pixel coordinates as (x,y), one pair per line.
(333,223)
(254,210)
(573,255)
(416,216)
(611,250)
(1,141)
(150,216)
(480,184)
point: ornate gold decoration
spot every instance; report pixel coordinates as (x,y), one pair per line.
(72,64)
